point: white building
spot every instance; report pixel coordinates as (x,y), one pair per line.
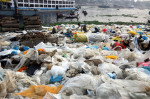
(45,4)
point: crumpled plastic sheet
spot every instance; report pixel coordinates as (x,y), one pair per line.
(79,84)
(27,56)
(107,68)
(39,91)
(139,74)
(123,89)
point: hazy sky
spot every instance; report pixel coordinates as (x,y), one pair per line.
(141,0)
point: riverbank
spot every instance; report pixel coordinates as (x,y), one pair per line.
(96,22)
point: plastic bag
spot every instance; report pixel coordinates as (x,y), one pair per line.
(80,37)
(74,96)
(56,70)
(44,46)
(57,79)
(111,57)
(3,89)
(78,54)
(137,74)
(11,81)
(79,84)
(6,52)
(27,56)
(88,54)
(133,33)
(120,89)
(109,68)
(96,37)
(128,55)
(106,91)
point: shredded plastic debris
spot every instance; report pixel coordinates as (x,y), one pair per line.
(76,62)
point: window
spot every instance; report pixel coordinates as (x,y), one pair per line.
(49,2)
(36,5)
(31,5)
(31,1)
(25,0)
(45,6)
(64,2)
(41,5)
(45,1)
(53,2)
(41,1)
(20,5)
(60,2)
(53,5)
(26,5)
(63,5)
(56,2)
(20,0)
(49,6)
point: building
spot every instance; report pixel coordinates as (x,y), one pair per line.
(5,4)
(44,4)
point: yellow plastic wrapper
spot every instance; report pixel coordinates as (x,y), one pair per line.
(111,57)
(38,92)
(117,38)
(50,29)
(80,37)
(133,33)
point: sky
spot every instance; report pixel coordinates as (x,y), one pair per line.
(141,0)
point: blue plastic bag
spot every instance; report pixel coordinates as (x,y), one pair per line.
(14,53)
(57,79)
(144,37)
(87,47)
(105,48)
(94,47)
(140,32)
(111,30)
(139,26)
(25,48)
(67,34)
(16,48)
(112,75)
(147,68)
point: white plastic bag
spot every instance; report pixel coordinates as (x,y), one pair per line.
(79,84)
(96,37)
(109,68)
(122,89)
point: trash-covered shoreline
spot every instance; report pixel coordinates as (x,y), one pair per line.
(76,62)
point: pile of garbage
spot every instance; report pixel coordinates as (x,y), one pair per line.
(86,62)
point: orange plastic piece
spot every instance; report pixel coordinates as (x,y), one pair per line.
(41,50)
(23,68)
(25,52)
(39,91)
(112,57)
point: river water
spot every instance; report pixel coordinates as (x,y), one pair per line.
(101,14)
